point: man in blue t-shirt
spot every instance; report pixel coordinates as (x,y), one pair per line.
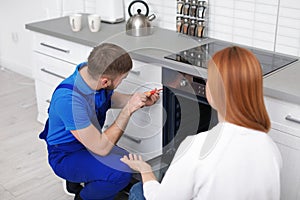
(79,151)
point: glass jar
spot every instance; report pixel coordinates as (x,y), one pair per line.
(186,8)
(200,28)
(200,13)
(180,4)
(193,9)
(185,26)
(179,23)
(192,28)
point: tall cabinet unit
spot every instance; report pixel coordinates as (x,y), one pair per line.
(285,131)
(55,59)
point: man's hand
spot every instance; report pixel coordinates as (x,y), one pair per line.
(153,96)
(137,101)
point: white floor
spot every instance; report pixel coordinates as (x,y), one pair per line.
(24,172)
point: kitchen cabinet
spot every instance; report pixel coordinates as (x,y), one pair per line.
(143,134)
(54,60)
(285,131)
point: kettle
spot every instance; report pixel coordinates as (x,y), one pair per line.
(139,24)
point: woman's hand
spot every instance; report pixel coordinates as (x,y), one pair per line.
(136,163)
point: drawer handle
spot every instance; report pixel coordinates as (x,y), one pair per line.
(52,73)
(138,141)
(53,47)
(292,119)
(135,72)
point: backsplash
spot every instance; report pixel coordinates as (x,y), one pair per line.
(268,24)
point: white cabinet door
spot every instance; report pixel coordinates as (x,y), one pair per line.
(55,59)
(289,147)
(285,122)
(143,134)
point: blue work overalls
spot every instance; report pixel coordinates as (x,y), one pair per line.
(103,176)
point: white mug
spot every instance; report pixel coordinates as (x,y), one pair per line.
(94,22)
(75,22)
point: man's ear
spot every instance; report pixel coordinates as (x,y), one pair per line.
(105,81)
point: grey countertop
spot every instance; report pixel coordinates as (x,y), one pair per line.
(283,84)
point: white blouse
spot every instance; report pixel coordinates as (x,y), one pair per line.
(227,162)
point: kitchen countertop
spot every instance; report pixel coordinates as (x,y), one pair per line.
(283,84)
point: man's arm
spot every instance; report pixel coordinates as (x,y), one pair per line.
(119,100)
(101,144)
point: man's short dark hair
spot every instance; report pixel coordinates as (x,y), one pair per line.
(108,59)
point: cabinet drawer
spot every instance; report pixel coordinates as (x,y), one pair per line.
(51,70)
(148,148)
(58,48)
(140,136)
(289,147)
(43,93)
(143,73)
(284,116)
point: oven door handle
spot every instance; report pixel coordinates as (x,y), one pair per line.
(136,140)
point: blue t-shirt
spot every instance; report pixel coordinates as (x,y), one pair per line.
(74,110)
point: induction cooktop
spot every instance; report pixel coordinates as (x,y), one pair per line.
(198,56)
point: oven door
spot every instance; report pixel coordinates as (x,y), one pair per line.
(187,111)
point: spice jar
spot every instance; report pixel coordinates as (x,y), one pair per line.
(200,28)
(179,23)
(193,9)
(180,4)
(192,28)
(185,26)
(186,7)
(200,13)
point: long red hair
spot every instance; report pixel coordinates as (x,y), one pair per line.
(236,87)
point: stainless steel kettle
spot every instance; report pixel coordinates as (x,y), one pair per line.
(139,24)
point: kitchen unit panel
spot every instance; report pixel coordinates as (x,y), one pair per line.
(61,49)
(289,147)
(51,70)
(284,116)
(143,134)
(44,92)
(48,73)
(285,131)
(144,73)
(55,59)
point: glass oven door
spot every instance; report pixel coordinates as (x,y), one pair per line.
(186,110)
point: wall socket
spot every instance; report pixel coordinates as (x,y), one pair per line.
(15,37)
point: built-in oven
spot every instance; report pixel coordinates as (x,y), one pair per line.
(187,111)
(184,97)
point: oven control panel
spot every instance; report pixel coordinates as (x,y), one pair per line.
(187,83)
(199,89)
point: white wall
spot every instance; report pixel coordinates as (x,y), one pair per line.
(268,24)
(288,33)
(15,40)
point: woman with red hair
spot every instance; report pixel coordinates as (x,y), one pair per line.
(236,159)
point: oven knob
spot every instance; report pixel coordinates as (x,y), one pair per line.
(183,83)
